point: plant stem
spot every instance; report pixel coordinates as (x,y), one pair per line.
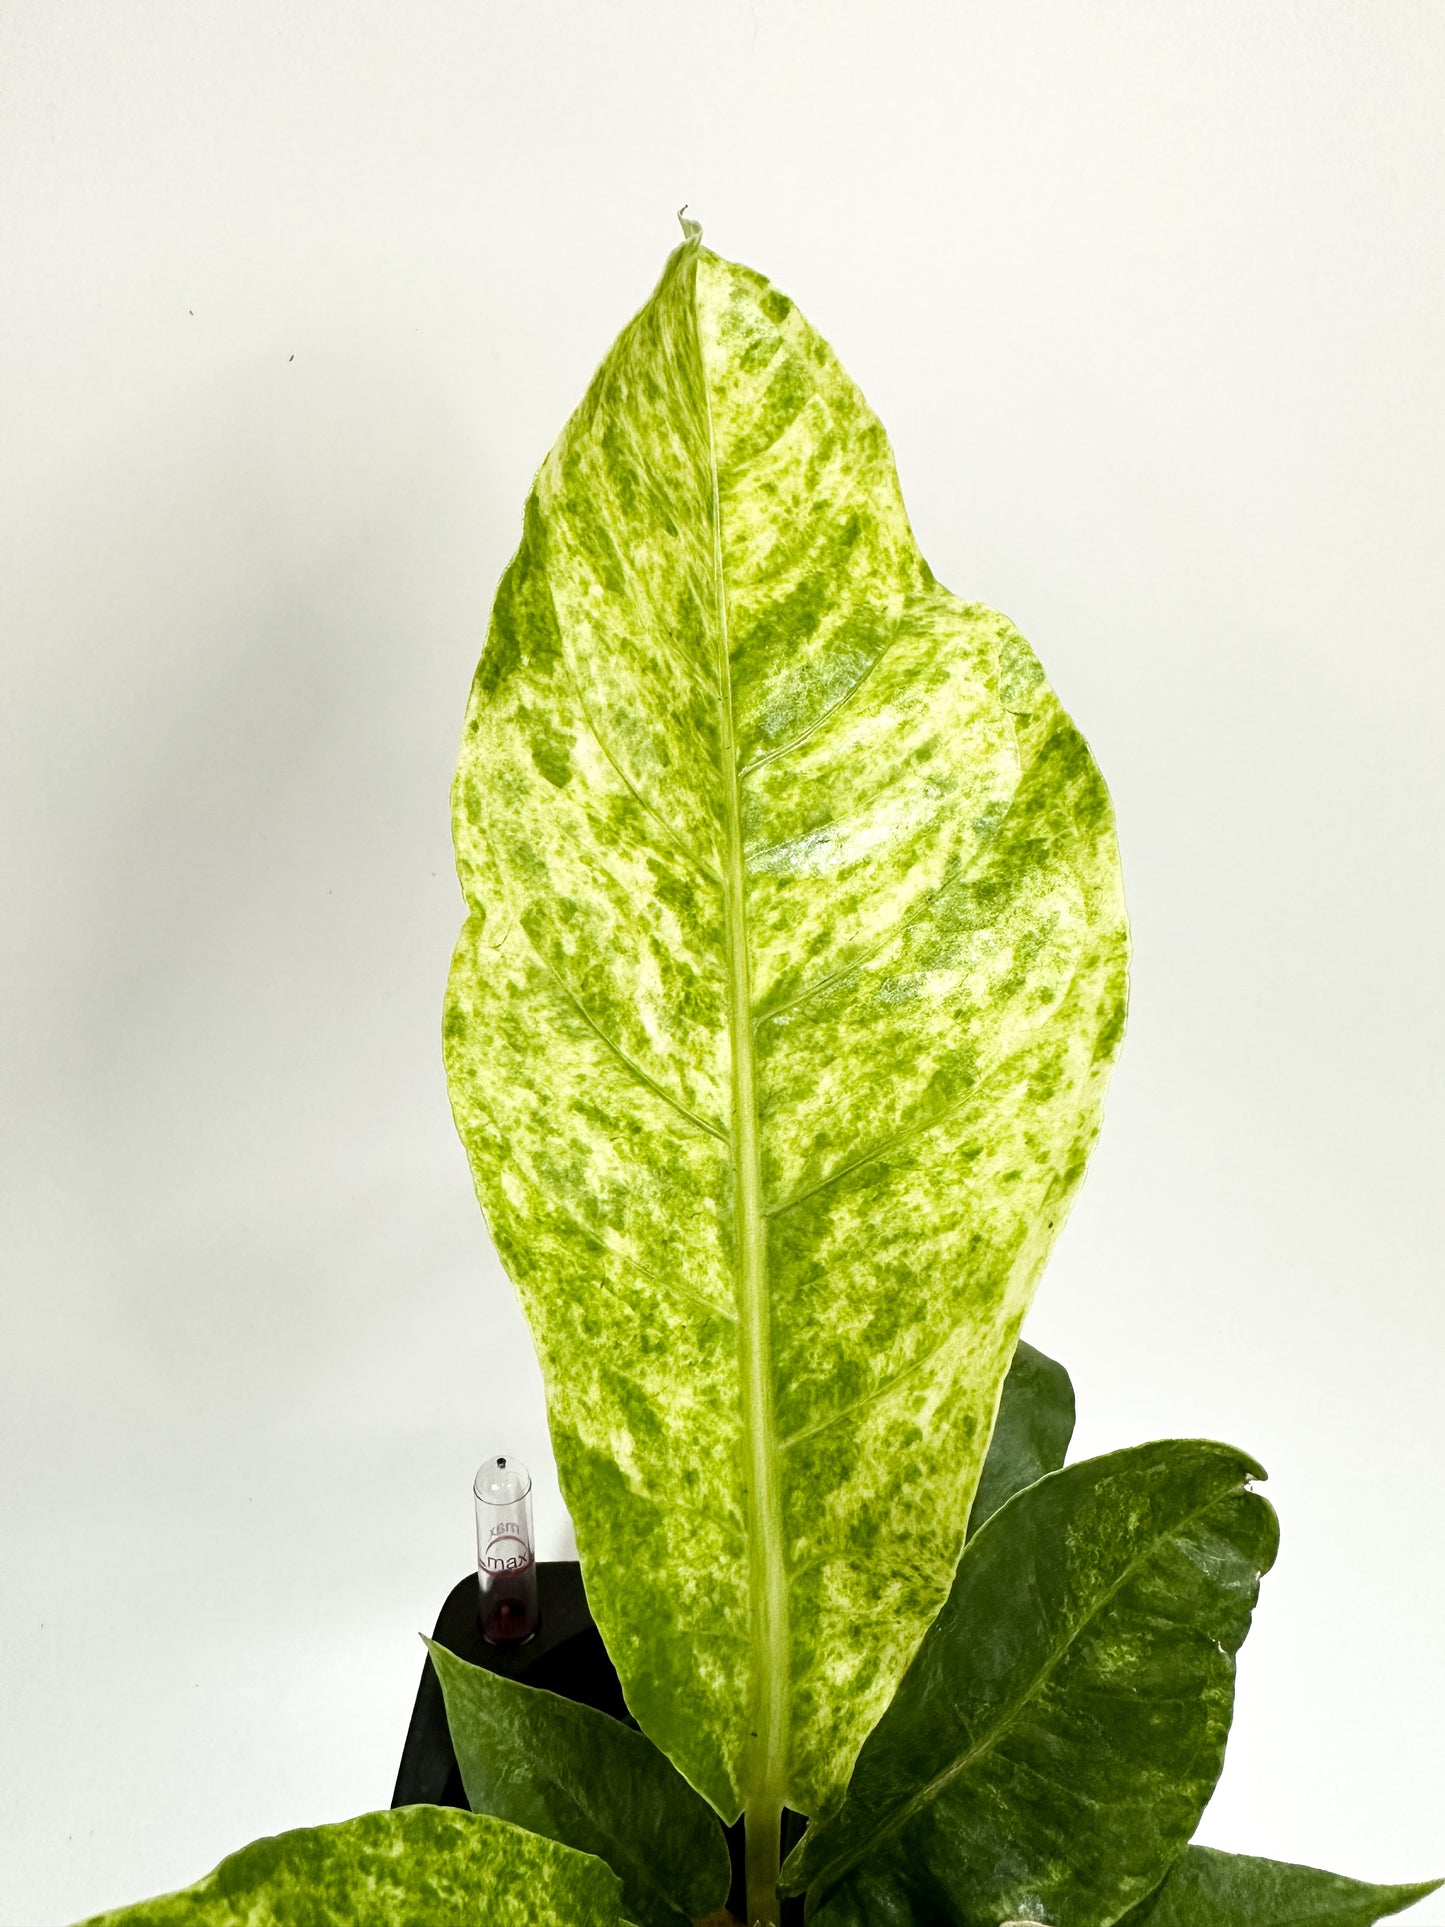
(763,1826)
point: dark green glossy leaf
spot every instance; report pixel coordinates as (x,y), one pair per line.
(585,1779)
(1209,1889)
(778,1029)
(411,1867)
(1031,1433)
(1054,1742)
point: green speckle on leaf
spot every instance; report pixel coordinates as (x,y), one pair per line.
(411,1867)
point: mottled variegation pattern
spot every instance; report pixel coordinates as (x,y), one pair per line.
(778,1028)
(414,1867)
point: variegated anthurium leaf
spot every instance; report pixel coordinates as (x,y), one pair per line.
(1054,1742)
(412,1867)
(793,967)
(588,1780)
(1205,1888)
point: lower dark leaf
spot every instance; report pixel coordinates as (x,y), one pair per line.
(580,1777)
(1209,1889)
(1031,1433)
(1051,1748)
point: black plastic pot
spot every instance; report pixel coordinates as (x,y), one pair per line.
(566,1656)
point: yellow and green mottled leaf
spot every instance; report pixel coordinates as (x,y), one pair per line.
(793,968)
(413,1867)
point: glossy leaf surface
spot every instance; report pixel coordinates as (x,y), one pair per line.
(580,1777)
(1210,1889)
(1054,1742)
(778,1028)
(412,1867)
(1031,1433)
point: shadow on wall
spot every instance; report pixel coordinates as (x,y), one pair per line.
(249,628)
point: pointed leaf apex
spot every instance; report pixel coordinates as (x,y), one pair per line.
(691,230)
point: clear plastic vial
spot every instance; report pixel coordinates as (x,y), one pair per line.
(506,1560)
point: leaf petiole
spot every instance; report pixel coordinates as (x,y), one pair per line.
(763,1826)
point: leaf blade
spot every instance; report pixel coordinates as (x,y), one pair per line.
(579,1777)
(1206,1888)
(1055,1740)
(402,1868)
(1031,1433)
(778,1029)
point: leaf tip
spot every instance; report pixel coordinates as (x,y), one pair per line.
(691,230)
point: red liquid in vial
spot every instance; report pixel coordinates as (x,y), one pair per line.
(509,1613)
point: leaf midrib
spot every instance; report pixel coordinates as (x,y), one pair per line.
(767,1574)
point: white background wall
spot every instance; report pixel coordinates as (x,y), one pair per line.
(296,297)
